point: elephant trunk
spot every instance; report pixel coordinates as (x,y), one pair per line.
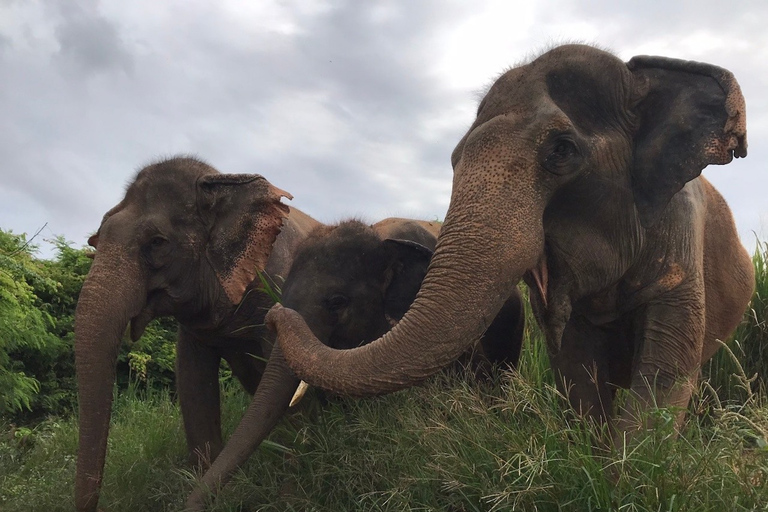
(110,297)
(488,241)
(270,401)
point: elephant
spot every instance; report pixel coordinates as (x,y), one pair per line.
(581,174)
(352,282)
(189,242)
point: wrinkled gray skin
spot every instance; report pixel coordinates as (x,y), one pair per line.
(186,241)
(581,175)
(351,282)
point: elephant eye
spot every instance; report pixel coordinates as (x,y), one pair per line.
(158,241)
(155,250)
(563,150)
(563,158)
(336,302)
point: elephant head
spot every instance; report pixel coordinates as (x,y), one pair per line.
(567,134)
(350,285)
(185,241)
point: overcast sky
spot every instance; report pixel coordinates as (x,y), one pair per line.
(352,106)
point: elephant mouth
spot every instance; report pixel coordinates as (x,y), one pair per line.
(151,310)
(139,323)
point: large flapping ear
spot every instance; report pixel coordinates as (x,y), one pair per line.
(408,262)
(690,115)
(244,216)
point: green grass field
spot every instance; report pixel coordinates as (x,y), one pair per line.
(450,445)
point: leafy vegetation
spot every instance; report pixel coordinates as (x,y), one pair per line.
(37,309)
(451,444)
(26,324)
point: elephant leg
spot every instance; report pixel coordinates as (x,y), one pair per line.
(247,367)
(503,339)
(582,368)
(267,408)
(670,338)
(197,384)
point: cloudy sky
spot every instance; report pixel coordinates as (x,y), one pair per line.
(354,107)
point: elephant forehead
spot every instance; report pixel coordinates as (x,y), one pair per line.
(331,273)
(596,65)
(590,85)
(164,190)
(512,136)
(169,181)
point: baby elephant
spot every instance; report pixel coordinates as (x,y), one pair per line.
(351,282)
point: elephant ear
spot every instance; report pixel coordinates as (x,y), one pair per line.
(93,240)
(244,215)
(408,262)
(690,115)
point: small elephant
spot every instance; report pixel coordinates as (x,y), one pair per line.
(580,175)
(188,242)
(351,282)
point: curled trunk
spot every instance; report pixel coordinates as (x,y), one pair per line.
(108,300)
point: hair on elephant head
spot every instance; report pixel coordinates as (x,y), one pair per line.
(186,241)
(580,175)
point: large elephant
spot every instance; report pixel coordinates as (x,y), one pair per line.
(352,282)
(581,175)
(188,242)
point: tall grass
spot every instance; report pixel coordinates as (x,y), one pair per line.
(449,445)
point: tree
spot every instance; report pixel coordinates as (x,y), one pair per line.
(24,324)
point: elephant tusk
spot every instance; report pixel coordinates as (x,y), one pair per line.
(299,394)
(541,278)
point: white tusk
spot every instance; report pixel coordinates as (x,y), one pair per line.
(299,394)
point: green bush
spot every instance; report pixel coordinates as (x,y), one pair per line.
(25,324)
(149,361)
(37,310)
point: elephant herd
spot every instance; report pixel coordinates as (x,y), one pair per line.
(580,176)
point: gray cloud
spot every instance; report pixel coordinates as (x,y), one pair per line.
(88,43)
(353,107)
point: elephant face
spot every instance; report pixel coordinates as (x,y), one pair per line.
(577,113)
(350,285)
(185,241)
(564,176)
(196,238)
